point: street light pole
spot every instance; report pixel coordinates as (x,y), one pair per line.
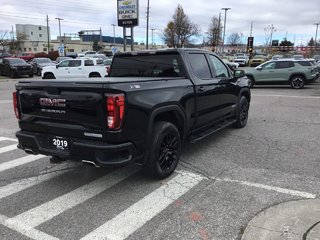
(60,19)
(147,37)
(114,33)
(315,40)
(224,27)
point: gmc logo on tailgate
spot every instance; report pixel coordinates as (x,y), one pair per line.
(52,102)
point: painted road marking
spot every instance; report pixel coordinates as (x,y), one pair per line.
(23,184)
(5,101)
(8,148)
(134,217)
(270,188)
(19,162)
(25,230)
(289,96)
(48,210)
(8,139)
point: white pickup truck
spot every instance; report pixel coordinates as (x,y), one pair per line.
(74,68)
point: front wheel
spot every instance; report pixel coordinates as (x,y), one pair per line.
(297,82)
(242,113)
(48,76)
(164,152)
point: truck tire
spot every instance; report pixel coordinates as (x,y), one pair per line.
(242,113)
(48,76)
(164,151)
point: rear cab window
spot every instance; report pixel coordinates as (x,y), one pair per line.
(200,65)
(158,64)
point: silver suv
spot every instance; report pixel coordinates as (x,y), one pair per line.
(282,71)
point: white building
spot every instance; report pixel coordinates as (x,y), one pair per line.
(36,37)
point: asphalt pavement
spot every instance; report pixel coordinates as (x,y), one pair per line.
(256,183)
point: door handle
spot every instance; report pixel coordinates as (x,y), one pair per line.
(201,89)
(79,68)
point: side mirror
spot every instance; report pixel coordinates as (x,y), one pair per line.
(239,73)
(57,66)
(259,68)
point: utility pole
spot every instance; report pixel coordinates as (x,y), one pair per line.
(59,19)
(219,33)
(251,29)
(114,33)
(272,30)
(147,40)
(315,40)
(48,36)
(224,27)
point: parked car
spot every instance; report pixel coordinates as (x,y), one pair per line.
(316,58)
(107,63)
(39,63)
(26,56)
(281,71)
(257,60)
(74,68)
(242,59)
(231,65)
(15,67)
(298,56)
(59,59)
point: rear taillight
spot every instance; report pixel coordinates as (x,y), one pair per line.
(115,110)
(16,105)
(108,70)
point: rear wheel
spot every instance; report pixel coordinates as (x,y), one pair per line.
(297,82)
(242,113)
(164,150)
(48,76)
(30,75)
(12,75)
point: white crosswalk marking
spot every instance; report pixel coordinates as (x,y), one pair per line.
(134,217)
(48,210)
(19,161)
(9,139)
(8,148)
(23,184)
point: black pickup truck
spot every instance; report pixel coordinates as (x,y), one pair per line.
(152,102)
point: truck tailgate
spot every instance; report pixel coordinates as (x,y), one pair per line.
(55,106)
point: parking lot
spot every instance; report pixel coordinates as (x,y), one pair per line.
(222,182)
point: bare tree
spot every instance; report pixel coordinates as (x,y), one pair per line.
(268,31)
(180,30)
(234,39)
(214,32)
(16,45)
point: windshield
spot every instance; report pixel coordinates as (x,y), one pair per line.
(43,60)
(17,61)
(148,65)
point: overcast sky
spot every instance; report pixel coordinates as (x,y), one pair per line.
(292,18)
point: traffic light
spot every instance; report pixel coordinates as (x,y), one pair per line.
(250,44)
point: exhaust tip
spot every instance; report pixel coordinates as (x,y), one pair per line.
(91,163)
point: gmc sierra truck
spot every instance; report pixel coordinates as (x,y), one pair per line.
(152,102)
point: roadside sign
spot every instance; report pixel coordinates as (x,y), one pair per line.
(114,50)
(128,13)
(61,50)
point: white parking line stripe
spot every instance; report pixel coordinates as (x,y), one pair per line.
(5,101)
(19,161)
(48,210)
(8,148)
(134,217)
(8,139)
(25,230)
(273,95)
(271,188)
(23,184)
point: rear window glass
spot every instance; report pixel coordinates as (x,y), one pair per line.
(305,63)
(148,65)
(200,65)
(284,64)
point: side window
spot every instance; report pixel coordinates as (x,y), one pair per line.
(200,65)
(270,65)
(75,63)
(283,64)
(88,63)
(64,64)
(220,68)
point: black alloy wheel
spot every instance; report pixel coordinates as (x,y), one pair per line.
(242,113)
(164,150)
(297,82)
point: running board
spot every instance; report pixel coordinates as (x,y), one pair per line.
(216,128)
